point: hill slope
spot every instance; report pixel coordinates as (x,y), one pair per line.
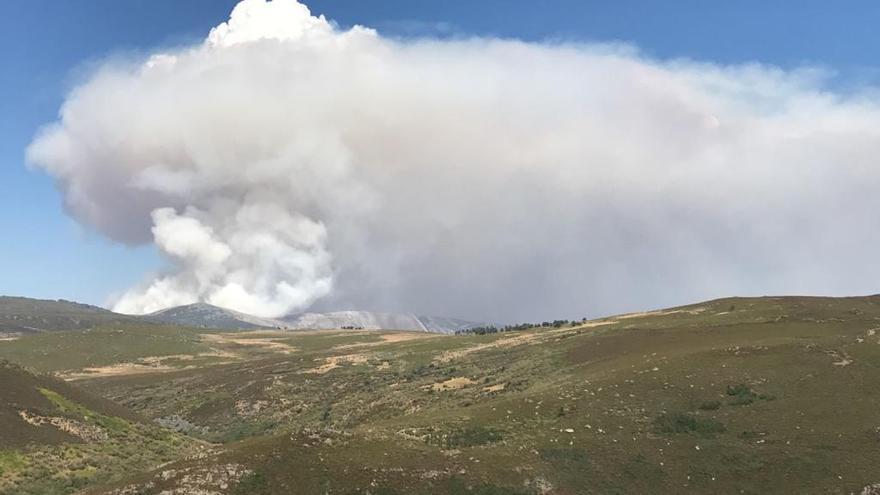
(210,316)
(21,315)
(739,395)
(56,438)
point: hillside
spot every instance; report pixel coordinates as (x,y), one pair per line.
(21,315)
(739,395)
(56,438)
(209,316)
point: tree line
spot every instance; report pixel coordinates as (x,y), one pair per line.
(487,329)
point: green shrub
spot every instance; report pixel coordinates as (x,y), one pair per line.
(465,437)
(710,405)
(742,394)
(680,422)
(252,484)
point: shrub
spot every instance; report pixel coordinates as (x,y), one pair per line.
(466,437)
(741,393)
(680,422)
(252,484)
(710,405)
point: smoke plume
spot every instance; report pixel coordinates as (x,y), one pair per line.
(285,163)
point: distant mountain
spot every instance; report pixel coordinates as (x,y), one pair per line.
(369,320)
(210,316)
(22,315)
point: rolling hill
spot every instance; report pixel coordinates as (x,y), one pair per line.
(209,316)
(21,315)
(737,395)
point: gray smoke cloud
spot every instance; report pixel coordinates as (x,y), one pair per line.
(285,163)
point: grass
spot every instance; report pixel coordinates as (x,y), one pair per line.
(471,436)
(69,466)
(570,411)
(11,461)
(109,423)
(74,350)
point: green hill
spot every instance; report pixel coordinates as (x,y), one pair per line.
(21,315)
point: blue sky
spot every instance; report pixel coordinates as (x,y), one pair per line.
(47,44)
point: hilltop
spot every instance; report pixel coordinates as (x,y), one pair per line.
(21,315)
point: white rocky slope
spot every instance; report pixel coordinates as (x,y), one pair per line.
(369,320)
(209,316)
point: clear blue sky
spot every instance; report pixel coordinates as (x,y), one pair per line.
(45,44)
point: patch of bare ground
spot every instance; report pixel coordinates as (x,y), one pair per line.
(495,388)
(87,433)
(119,369)
(267,340)
(452,384)
(212,480)
(390,338)
(692,311)
(333,362)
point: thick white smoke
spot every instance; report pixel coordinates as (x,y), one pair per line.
(285,161)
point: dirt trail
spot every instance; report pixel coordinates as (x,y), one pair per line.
(628,316)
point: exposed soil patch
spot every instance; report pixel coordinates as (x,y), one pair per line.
(87,433)
(694,311)
(520,339)
(453,384)
(120,369)
(334,362)
(270,342)
(390,338)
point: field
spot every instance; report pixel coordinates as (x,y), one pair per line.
(739,395)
